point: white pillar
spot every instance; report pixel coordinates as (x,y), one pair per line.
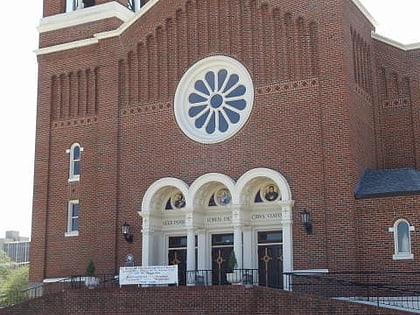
(202,250)
(237,245)
(287,241)
(190,250)
(146,246)
(237,236)
(248,248)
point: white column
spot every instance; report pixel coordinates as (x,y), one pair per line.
(237,245)
(202,250)
(237,236)
(248,248)
(190,250)
(79,4)
(146,246)
(287,241)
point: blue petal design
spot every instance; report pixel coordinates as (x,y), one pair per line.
(238,104)
(221,77)
(223,124)
(195,98)
(233,116)
(201,87)
(208,115)
(233,79)
(211,126)
(238,91)
(210,80)
(195,110)
(200,121)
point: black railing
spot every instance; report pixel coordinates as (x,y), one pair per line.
(73,282)
(396,289)
(215,277)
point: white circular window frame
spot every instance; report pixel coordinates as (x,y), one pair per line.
(186,87)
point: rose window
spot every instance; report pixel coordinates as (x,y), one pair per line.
(214,99)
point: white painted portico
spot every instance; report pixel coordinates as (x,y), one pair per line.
(244,216)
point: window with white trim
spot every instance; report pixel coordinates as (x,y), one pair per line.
(402,239)
(74,165)
(73,218)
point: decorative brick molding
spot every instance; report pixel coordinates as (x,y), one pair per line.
(144,109)
(75,122)
(268,89)
(363,93)
(396,103)
(287,86)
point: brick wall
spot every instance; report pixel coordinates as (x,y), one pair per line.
(190,300)
(316,119)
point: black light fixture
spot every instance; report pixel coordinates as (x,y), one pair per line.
(125,229)
(305,217)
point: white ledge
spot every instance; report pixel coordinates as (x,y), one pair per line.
(308,272)
(86,15)
(66,46)
(114,9)
(365,12)
(394,43)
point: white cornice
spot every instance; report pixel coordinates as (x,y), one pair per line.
(66,46)
(114,9)
(394,43)
(382,38)
(79,17)
(82,16)
(365,12)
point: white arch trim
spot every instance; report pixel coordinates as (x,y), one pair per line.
(147,206)
(270,174)
(210,178)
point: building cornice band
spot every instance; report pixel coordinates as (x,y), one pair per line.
(114,9)
(87,15)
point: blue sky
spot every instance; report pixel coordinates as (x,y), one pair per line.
(398,20)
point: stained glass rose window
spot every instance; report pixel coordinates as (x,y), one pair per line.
(214,99)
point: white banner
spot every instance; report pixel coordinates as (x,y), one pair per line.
(149,275)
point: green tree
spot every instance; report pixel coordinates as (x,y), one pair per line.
(5,266)
(14,280)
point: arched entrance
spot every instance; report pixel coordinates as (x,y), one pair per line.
(202,223)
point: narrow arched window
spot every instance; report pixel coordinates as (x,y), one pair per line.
(402,239)
(74,159)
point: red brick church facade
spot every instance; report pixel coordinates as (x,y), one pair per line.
(214,104)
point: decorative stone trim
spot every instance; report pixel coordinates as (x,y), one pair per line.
(144,109)
(74,122)
(395,103)
(287,86)
(363,93)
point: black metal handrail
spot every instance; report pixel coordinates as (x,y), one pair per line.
(73,282)
(215,277)
(396,289)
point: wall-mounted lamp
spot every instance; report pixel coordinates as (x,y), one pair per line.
(125,230)
(305,217)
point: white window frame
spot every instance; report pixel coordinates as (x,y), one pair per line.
(72,176)
(398,254)
(70,217)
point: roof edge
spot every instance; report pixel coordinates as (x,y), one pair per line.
(365,12)
(394,43)
(86,15)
